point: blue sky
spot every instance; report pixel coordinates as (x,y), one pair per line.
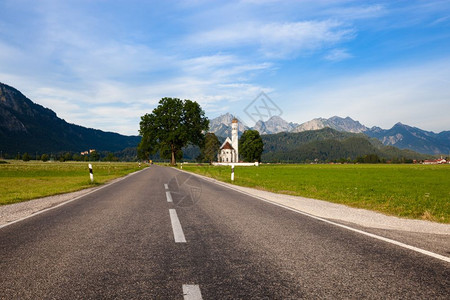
(103,64)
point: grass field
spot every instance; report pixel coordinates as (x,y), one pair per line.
(20,181)
(412,191)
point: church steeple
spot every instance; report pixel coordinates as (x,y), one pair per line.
(228,152)
(235,138)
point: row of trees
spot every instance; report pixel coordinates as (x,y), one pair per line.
(127,154)
(65,156)
(176,123)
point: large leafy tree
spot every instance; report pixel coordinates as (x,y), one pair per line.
(211,147)
(171,126)
(251,146)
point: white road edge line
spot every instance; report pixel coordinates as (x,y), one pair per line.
(378,237)
(176,227)
(166,186)
(191,292)
(169,196)
(68,201)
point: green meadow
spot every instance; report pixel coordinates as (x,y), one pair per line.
(20,181)
(410,191)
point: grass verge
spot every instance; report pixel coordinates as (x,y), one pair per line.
(411,191)
(21,181)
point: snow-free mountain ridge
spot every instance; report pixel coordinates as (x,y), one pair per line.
(274,125)
(341,124)
(29,127)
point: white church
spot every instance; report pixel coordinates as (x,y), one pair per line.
(229,152)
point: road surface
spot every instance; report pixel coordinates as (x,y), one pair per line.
(163,234)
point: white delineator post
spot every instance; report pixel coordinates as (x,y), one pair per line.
(232,172)
(91,174)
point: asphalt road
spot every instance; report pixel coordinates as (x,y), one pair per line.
(127,241)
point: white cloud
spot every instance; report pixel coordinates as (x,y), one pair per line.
(354,12)
(222,68)
(337,55)
(276,40)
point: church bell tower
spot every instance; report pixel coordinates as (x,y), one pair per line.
(235,138)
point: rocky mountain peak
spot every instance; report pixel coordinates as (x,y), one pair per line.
(341,124)
(275,124)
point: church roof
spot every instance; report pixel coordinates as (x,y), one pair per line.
(234,120)
(227,140)
(226,146)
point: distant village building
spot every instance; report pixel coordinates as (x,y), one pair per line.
(87,152)
(435,161)
(229,152)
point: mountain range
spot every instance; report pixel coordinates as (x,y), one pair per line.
(29,127)
(400,135)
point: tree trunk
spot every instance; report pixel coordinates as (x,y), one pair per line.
(173,161)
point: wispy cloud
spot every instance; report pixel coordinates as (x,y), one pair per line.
(276,40)
(355,12)
(337,55)
(441,20)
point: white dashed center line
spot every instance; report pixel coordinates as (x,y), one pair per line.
(169,196)
(176,227)
(191,292)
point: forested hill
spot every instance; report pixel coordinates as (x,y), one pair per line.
(328,145)
(29,127)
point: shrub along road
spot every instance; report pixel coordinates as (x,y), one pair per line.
(162,234)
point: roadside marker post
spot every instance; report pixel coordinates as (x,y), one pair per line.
(91,174)
(232,172)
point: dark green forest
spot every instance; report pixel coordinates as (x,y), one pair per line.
(327,145)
